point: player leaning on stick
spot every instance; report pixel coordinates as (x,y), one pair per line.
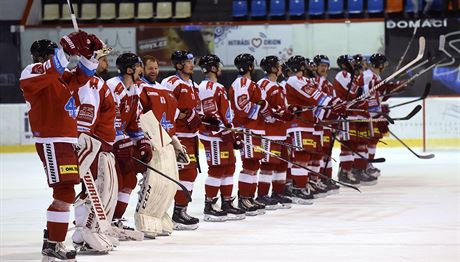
(272,170)
(218,143)
(96,117)
(187,123)
(130,140)
(49,89)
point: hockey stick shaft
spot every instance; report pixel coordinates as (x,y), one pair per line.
(298,165)
(184,189)
(429,156)
(425,95)
(407,47)
(72,16)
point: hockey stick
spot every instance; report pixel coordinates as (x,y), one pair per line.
(408,46)
(420,54)
(410,115)
(72,16)
(429,156)
(288,145)
(375,160)
(298,165)
(425,95)
(184,189)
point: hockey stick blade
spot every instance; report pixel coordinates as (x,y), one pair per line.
(429,156)
(375,160)
(425,95)
(408,116)
(184,189)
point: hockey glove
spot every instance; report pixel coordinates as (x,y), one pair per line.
(295,109)
(212,123)
(283,114)
(238,142)
(145,150)
(192,120)
(338,106)
(123,149)
(181,154)
(266,112)
(75,41)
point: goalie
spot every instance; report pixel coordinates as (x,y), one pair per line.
(156,193)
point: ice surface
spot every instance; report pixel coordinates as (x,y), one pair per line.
(412,214)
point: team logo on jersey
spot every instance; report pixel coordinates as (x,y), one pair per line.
(209,105)
(242,100)
(165,123)
(86,113)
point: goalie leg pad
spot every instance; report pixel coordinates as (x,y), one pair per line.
(156,194)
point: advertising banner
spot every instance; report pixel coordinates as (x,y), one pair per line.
(445,77)
(258,40)
(161,42)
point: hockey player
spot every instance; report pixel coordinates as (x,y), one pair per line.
(48,89)
(303,91)
(273,170)
(322,69)
(151,213)
(250,113)
(96,117)
(188,122)
(346,88)
(377,63)
(130,140)
(218,144)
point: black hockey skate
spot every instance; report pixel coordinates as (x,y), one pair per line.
(245,204)
(270,203)
(56,251)
(331,186)
(283,201)
(260,206)
(302,196)
(364,178)
(233,213)
(212,213)
(347,177)
(182,221)
(318,188)
(372,171)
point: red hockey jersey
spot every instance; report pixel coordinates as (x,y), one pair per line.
(186,94)
(128,109)
(275,97)
(97,111)
(214,103)
(49,90)
(162,102)
(244,95)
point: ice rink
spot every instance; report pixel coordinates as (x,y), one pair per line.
(412,214)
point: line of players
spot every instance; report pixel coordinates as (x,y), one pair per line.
(251,117)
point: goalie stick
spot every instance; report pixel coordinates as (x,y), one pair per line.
(428,156)
(300,166)
(184,189)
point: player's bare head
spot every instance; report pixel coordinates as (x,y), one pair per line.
(183,61)
(244,63)
(41,50)
(210,64)
(130,64)
(322,63)
(271,65)
(346,62)
(151,68)
(378,61)
(296,64)
(101,56)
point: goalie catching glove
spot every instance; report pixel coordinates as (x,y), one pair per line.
(181,154)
